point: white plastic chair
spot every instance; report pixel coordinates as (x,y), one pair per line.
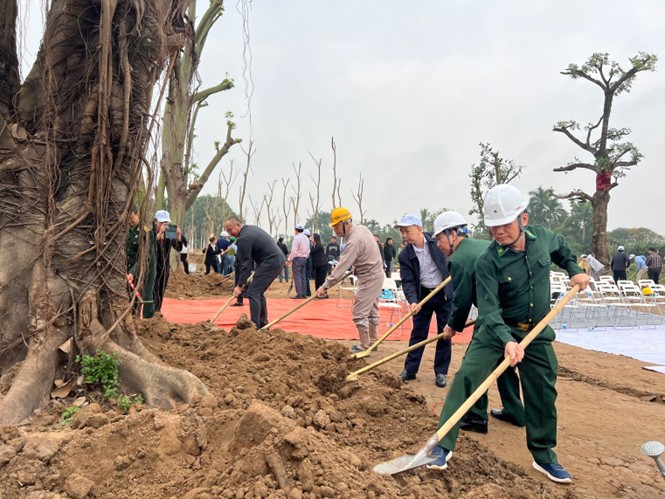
(389,300)
(349,283)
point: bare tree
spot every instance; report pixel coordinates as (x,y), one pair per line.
(286,204)
(492,170)
(358,197)
(184,101)
(295,199)
(257,209)
(243,188)
(72,140)
(315,200)
(267,201)
(337,183)
(612,156)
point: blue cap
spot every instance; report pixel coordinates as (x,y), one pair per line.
(409,219)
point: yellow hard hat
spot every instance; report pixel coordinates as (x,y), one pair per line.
(339,215)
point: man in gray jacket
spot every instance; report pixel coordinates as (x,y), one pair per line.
(361,253)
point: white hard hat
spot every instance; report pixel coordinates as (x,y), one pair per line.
(163,216)
(620,248)
(503,204)
(224,234)
(448,220)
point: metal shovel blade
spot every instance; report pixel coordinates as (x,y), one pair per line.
(404,463)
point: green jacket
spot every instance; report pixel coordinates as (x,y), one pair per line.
(132,245)
(462,266)
(514,286)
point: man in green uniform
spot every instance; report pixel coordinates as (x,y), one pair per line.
(140,240)
(513,292)
(450,230)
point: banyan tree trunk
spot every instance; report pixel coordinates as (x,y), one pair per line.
(73,140)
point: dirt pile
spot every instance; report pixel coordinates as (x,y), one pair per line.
(280,421)
(199,285)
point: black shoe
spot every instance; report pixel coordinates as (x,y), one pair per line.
(236,304)
(406,376)
(297,297)
(501,416)
(441,380)
(477,425)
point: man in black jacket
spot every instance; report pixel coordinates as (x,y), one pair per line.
(422,268)
(255,247)
(389,254)
(620,263)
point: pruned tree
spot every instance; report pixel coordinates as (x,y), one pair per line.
(315,199)
(245,174)
(72,140)
(337,182)
(491,171)
(257,209)
(613,156)
(286,203)
(184,100)
(295,199)
(271,213)
(358,197)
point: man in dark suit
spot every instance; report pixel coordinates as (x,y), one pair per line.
(255,248)
(423,267)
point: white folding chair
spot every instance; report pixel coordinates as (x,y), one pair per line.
(389,300)
(347,284)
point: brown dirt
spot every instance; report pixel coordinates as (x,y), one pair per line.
(282,422)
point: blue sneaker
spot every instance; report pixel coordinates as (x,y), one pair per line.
(442,455)
(554,472)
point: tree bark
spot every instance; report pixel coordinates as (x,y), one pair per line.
(68,177)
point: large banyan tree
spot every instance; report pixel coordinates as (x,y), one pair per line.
(73,139)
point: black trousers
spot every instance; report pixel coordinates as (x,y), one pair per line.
(264,275)
(160,286)
(654,274)
(441,307)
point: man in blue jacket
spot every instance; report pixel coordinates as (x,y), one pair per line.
(422,268)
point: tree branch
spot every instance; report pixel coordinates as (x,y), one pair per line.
(9,78)
(200,96)
(194,189)
(578,142)
(578,73)
(208,20)
(576,195)
(574,166)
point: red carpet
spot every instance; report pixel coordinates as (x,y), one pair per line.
(330,319)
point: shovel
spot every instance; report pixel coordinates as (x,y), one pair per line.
(409,461)
(354,375)
(300,305)
(226,305)
(225,279)
(390,331)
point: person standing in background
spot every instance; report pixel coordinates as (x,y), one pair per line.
(319,262)
(298,260)
(284,274)
(184,250)
(654,264)
(619,264)
(389,255)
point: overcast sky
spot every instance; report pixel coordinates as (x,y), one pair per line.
(409,89)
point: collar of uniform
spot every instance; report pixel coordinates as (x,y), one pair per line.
(502,250)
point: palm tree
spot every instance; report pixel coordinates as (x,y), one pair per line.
(545,209)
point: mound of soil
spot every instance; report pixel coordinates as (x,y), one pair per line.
(199,285)
(280,421)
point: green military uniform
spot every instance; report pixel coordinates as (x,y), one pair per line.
(462,265)
(135,236)
(513,291)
